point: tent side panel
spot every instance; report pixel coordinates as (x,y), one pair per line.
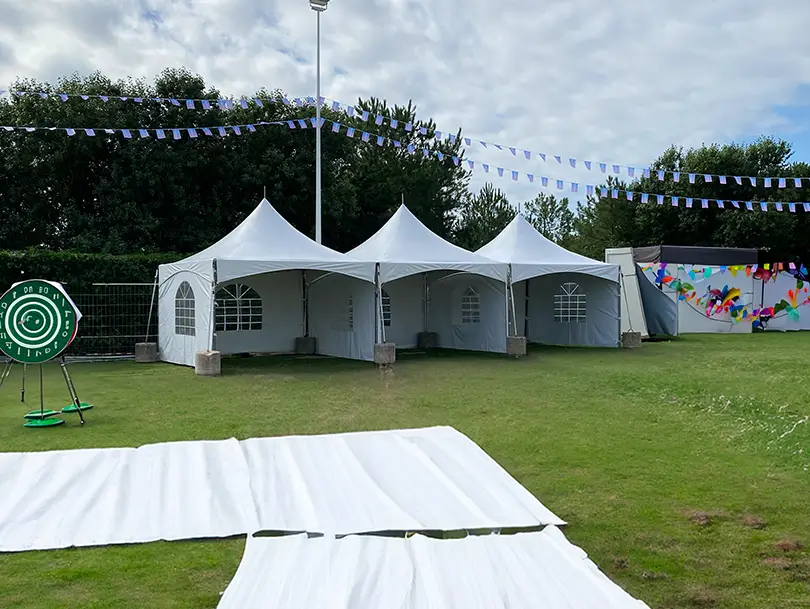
(632,309)
(660,311)
(184,315)
(282,315)
(446,317)
(341,316)
(574,309)
(407,311)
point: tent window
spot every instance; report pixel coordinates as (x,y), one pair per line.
(184,310)
(470,307)
(238,307)
(386,308)
(350,314)
(569,304)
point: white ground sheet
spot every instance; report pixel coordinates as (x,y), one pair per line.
(429,479)
(522,571)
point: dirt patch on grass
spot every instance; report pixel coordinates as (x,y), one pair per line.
(789,545)
(619,564)
(753,522)
(651,576)
(778,562)
(704,519)
(701,596)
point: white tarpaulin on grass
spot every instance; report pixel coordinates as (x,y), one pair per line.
(404,480)
(419,479)
(522,571)
(89,497)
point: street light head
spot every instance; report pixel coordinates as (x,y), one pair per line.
(318,5)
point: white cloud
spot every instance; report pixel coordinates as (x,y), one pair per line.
(608,81)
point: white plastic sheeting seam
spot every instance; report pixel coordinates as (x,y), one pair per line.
(420,479)
(522,571)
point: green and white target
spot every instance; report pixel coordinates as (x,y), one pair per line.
(38,321)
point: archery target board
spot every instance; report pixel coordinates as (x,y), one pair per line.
(38,321)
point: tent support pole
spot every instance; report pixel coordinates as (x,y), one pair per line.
(512,301)
(378,314)
(151,309)
(526,310)
(424,302)
(305,301)
(212,315)
(506,287)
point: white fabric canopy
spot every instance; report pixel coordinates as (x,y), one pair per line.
(418,479)
(532,255)
(262,253)
(266,242)
(404,246)
(522,571)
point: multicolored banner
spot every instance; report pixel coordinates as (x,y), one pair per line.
(560,160)
(365,136)
(726,300)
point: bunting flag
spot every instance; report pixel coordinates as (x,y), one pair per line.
(365,136)
(161,133)
(630,171)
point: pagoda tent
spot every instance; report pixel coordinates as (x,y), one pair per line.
(430,287)
(557,297)
(246,294)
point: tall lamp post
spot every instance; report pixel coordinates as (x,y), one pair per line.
(318,6)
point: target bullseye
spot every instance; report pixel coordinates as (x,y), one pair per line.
(38,321)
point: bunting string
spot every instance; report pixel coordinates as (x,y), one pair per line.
(365,136)
(604,168)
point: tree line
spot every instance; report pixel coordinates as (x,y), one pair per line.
(107,194)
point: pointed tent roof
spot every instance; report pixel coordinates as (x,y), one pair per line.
(532,255)
(404,246)
(265,242)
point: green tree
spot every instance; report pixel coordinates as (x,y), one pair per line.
(116,195)
(614,222)
(426,172)
(551,216)
(481,217)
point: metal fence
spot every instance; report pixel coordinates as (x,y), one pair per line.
(115,316)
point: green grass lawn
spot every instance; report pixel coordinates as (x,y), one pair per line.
(682,467)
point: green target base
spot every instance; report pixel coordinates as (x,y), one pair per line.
(41,414)
(72,408)
(44,423)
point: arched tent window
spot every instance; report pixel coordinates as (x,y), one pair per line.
(386,308)
(569,304)
(350,314)
(238,307)
(470,307)
(184,310)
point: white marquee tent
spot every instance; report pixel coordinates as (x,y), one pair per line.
(427,284)
(558,297)
(246,293)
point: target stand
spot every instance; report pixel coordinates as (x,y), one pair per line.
(38,321)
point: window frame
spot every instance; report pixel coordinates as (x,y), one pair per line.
(185,314)
(570,304)
(242,302)
(470,306)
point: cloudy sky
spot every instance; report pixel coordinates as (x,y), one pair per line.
(606,81)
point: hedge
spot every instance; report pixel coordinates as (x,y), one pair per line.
(79,271)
